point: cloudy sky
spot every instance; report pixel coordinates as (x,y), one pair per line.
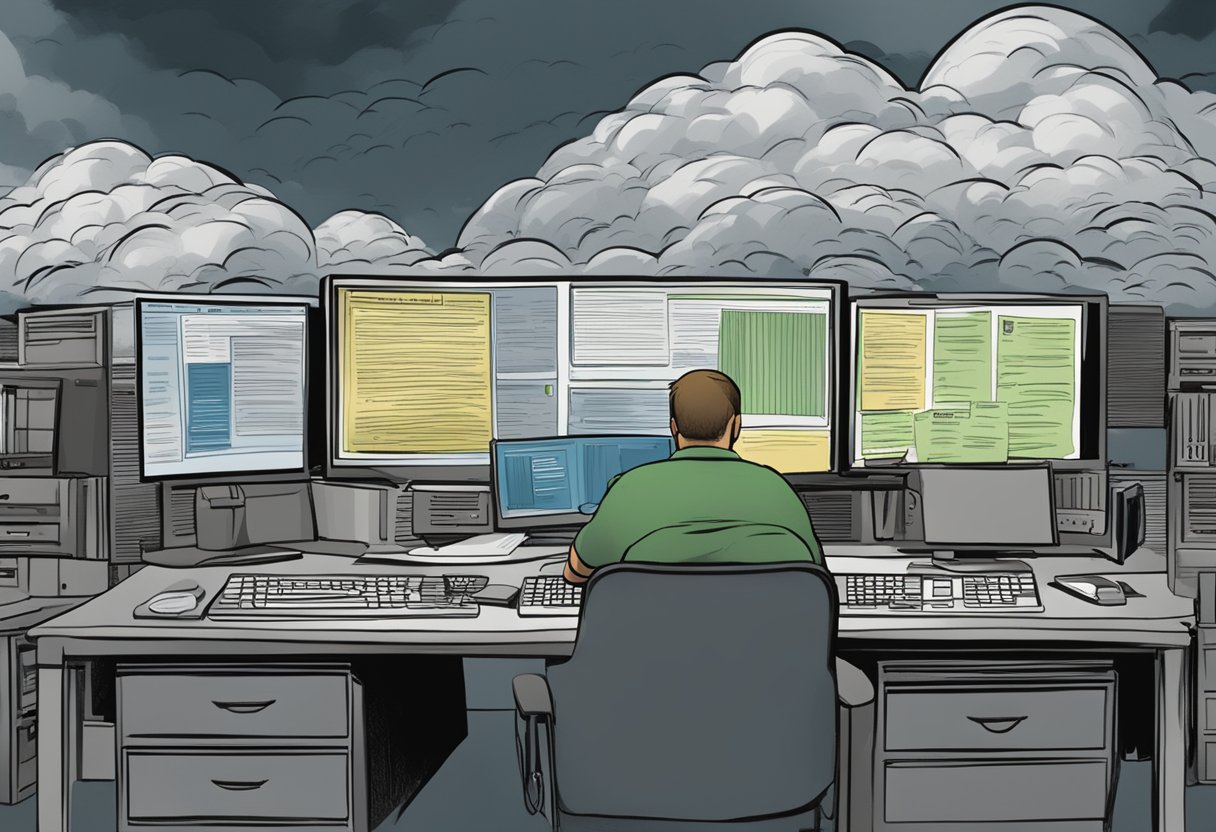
(419,110)
(254,145)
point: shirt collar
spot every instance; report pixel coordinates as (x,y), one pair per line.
(704,452)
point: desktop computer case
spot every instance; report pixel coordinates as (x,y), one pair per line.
(378,514)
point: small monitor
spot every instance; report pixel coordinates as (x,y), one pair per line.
(548,482)
(221,387)
(988,508)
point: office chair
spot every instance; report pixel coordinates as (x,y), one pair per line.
(698,694)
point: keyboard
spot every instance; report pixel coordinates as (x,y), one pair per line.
(293,597)
(549,595)
(988,592)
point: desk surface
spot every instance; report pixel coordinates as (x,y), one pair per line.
(19,612)
(105,625)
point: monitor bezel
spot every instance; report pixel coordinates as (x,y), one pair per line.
(964,548)
(570,518)
(1094,337)
(406,470)
(294,474)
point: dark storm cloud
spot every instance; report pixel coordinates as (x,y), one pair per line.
(416,110)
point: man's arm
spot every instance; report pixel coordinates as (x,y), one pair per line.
(576,571)
(600,542)
(800,524)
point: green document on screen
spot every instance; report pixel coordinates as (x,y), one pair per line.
(962,357)
(887,435)
(1036,377)
(965,432)
(758,350)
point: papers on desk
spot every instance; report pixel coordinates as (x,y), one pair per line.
(483,548)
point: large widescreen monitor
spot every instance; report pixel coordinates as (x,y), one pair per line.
(424,376)
(972,379)
(222,386)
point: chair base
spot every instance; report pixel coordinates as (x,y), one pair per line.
(802,822)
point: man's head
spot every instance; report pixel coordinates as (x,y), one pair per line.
(705,408)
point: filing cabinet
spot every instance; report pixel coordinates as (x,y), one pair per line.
(210,747)
(978,745)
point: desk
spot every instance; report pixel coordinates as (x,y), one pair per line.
(1160,623)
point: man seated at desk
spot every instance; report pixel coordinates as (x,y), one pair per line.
(703,505)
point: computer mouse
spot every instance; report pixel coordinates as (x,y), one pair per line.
(182,597)
(1097,589)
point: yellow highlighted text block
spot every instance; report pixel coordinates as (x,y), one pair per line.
(787,450)
(894,355)
(415,371)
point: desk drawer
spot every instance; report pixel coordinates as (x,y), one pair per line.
(28,533)
(29,491)
(301,789)
(206,704)
(987,720)
(979,792)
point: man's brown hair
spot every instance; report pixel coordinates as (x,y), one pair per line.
(702,404)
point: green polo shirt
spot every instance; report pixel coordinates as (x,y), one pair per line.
(703,505)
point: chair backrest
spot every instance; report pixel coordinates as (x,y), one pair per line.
(695,692)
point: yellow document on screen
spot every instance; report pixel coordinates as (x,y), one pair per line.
(893,361)
(788,450)
(415,371)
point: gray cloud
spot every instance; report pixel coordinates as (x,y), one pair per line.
(1040,153)
(328,103)
(105,219)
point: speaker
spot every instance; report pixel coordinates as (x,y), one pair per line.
(1127,520)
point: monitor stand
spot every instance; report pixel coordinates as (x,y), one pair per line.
(952,561)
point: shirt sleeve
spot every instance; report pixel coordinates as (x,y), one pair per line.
(800,522)
(605,538)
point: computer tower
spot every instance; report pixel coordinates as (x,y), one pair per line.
(376,514)
(1192,512)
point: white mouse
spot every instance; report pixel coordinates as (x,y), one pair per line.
(177,599)
(172,603)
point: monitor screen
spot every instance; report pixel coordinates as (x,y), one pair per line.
(221,386)
(425,375)
(563,480)
(974,380)
(988,507)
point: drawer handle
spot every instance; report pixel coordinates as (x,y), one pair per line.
(998,724)
(240,785)
(244,707)
(16,533)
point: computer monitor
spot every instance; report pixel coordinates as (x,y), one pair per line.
(222,387)
(987,508)
(979,379)
(424,375)
(550,482)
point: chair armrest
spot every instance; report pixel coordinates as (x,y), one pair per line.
(853,688)
(532,697)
